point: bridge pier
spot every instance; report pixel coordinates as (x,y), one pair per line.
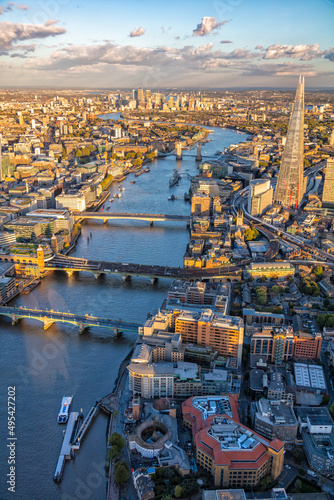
(82,327)
(69,273)
(97,275)
(125,277)
(153,280)
(15,319)
(151,223)
(117,333)
(47,322)
(105,221)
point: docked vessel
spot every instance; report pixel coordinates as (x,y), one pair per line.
(147,170)
(175,177)
(64,409)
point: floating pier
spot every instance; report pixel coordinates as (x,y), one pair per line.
(66,452)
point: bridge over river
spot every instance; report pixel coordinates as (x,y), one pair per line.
(105,216)
(49,317)
(73,264)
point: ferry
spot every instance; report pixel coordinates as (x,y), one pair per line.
(65,409)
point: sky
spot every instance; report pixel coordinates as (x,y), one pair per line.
(179,43)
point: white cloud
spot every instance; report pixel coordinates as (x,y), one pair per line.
(11,33)
(207,25)
(139,32)
(302,52)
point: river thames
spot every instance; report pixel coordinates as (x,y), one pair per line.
(45,366)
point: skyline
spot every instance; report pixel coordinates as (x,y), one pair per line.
(219,45)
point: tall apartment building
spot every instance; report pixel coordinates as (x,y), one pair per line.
(328,192)
(222,333)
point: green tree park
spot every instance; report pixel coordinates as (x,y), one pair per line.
(251,234)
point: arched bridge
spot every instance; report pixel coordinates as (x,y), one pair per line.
(105,216)
(48,317)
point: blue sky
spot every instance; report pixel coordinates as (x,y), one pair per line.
(220,43)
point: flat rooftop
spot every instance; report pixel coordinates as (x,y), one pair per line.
(309,376)
(231,435)
(213,405)
(276,412)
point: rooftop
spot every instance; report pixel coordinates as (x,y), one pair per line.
(212,405)
(309,376)
(277,412)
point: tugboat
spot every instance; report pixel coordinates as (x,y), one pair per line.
(186,197)
(175,177)
(171,198)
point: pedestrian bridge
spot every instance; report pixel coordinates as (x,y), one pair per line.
(49,317)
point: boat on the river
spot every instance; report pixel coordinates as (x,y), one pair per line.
(175,177)
(64,409)
(147,170)
(30,287)
(171,198)
(132,182)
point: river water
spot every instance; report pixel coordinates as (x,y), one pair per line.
(45,366)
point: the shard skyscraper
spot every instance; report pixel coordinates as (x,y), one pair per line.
(290,187)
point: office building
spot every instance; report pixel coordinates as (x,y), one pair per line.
(260,196)
(222,333)
(310,384)
(307,345)
(316,428)
(274,345)
(213,295)
(200,204)
(290,187)
(274,419)
(196,409)
(269,269)
(328,192)
(236,456)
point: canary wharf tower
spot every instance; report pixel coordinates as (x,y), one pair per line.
(290,187)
